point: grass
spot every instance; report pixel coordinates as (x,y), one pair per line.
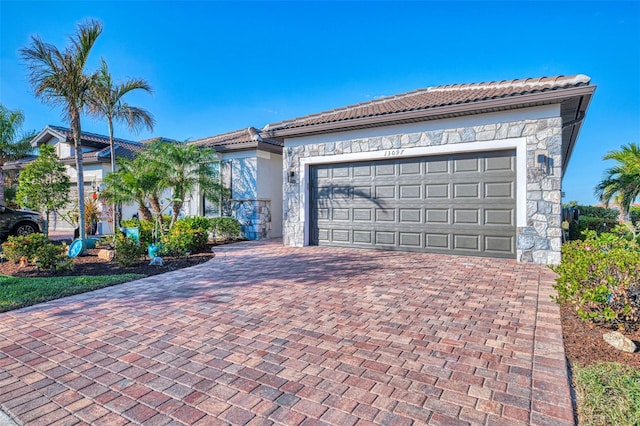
(18,292)
(607,393)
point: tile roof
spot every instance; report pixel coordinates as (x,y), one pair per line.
(433,97)
(123,149)
(248,138)
(89,137)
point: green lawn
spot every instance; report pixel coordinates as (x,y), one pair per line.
(20,292)
(607,394)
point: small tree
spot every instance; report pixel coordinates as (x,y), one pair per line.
(621,182)
(44,184)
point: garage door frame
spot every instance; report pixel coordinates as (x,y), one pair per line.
(519,144)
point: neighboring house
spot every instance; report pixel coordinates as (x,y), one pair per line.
(252,171)
(471,169)
(96,163)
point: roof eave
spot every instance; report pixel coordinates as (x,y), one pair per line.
(448,111)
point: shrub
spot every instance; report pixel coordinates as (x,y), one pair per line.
(53,257)
(128,251)
(600,278)
(26,246)
(596,211)
(187,235)
(226,228)
(145,229)
(589,223)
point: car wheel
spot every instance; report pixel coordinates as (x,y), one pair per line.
(25,228)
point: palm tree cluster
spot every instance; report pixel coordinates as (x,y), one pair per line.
(58,77)
(621,183)
(176,167)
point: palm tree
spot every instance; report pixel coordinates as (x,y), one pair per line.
(622,181)
(131,183)
(58,78)
(106,102)
(184,168)
(12,145)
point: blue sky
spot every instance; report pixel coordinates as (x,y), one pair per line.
(217,67)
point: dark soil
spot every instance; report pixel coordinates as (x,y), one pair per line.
(583,340)
(584,344)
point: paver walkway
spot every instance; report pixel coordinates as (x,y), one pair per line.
(266,334)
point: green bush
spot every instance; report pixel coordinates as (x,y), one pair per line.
(600,278)
(589,223)
(128,251)
(186,236)
(53,257)
(226,228)
(26,246)
(596,211)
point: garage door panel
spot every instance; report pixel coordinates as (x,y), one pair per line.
(498,190)
(440,190)
(410,239)
(410,191)
(499,244)
(385,169)
(437,241)
(466,216)
(498,217)
(437,167)
(466,165)
(460,204)
(410,169)
(499,163)
(410,216)
(386,191)
(386,238)
(437,216)
(466,190)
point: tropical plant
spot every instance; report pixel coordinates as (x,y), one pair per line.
(183,169)
(14,144)
(134,181)
(58,78)
(106,101)
(621,182)
(43,185)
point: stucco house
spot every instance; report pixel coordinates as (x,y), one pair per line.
(471,169)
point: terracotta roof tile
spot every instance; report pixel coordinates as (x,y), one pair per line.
(248,138)
(434,97)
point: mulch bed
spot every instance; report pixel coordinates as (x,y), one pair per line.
(583,340)
(92,265)
(584,345)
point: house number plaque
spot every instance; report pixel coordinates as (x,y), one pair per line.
(393,152)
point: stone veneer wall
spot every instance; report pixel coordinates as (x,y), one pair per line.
(254,217)
(538,242)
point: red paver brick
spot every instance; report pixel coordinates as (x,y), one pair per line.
(309,335)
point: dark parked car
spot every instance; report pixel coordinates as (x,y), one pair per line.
(19,222)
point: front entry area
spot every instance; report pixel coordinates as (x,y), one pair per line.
(455,204)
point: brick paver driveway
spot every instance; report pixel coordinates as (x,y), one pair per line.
(265,334)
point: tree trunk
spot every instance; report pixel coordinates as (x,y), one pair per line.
(45,231)
(75,126)
(144,211)
(114,217)
(177,206)
(154,200)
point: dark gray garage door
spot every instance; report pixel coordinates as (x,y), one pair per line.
(459,204)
